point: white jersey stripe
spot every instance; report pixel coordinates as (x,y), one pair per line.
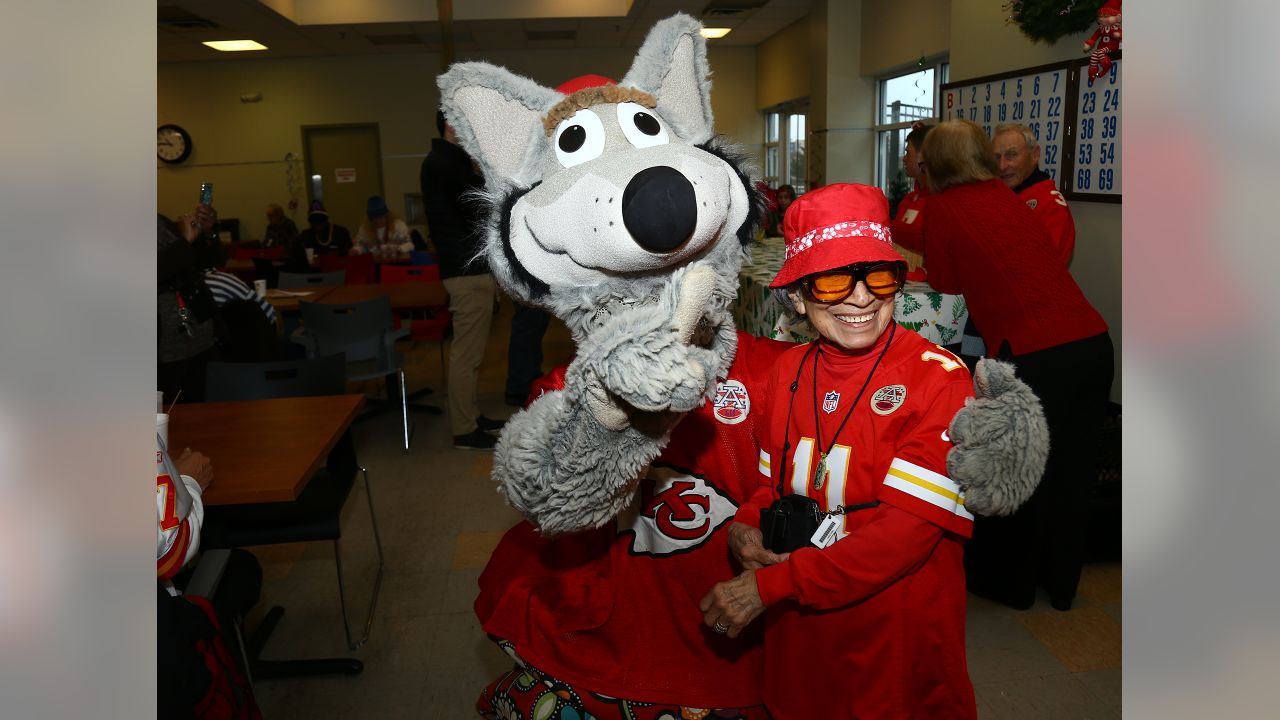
(927,485)
(765,468)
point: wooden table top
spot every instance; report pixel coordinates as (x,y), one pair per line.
(404,296)
(262,450)
(284,301)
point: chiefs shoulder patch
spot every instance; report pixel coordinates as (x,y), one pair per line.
(888,398)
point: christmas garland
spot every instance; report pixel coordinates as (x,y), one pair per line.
(1049,20)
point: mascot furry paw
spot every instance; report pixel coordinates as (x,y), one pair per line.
(1000,438)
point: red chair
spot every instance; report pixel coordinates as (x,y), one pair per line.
(435,326)
(360,268)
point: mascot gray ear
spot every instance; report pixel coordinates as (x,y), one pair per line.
(496,113)
(672,67)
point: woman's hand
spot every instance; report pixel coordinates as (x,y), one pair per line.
(747,544)
(732,605)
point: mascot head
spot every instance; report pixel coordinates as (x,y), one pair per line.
(602,195)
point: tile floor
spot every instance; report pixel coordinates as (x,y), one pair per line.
(439,517)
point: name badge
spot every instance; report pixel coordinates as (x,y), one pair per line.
(827,533)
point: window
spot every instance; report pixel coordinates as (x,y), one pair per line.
(902,100)
(784,147)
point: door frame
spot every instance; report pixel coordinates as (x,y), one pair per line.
(306,151)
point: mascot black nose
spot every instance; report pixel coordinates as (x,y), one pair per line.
(659,209)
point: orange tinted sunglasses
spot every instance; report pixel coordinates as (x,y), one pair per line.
(882,280)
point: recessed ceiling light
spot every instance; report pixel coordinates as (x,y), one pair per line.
(235,45)
(714,33)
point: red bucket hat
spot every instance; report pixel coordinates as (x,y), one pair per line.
(832,227)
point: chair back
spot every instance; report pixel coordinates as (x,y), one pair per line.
(410,273)
(357,330)
(295,281)
(359,269)
(264,380)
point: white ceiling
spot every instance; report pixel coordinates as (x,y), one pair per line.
(251,19)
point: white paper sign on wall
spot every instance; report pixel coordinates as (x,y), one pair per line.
(344,175)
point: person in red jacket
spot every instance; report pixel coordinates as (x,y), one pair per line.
(984,243)
(1018,165)
(907,225)
(866,620)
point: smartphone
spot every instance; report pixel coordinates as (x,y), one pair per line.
(206,193)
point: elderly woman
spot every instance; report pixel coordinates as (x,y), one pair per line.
(866,616)
(382,232)
(984,242)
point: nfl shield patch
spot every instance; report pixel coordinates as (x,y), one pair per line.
(731,403)
(830,402)
(888,398)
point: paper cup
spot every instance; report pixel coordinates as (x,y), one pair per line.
(260,287)
(162,427)
(311,255)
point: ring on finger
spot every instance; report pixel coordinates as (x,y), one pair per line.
(721,628)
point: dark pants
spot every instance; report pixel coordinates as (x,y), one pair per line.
(524,356)
(1045,541)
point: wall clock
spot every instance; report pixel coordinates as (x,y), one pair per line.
(173,144)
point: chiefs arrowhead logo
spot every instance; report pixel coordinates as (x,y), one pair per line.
(675,512)
(731,404)
(888,398)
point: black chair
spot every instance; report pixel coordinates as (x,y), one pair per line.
(315,515)
(361,331)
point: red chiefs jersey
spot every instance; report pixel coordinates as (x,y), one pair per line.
(616,609)
(1050,207)
(872,626)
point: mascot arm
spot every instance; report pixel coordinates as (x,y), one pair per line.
(564,470)
(1001,441)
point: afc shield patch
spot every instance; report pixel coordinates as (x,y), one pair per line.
(888,398)
(830,402)
(732,403)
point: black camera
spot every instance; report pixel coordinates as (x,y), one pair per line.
(789,523)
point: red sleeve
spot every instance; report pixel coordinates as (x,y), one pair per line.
(1056,216)
(917,480)
(891,545)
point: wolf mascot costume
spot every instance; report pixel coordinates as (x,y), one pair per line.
(617,209)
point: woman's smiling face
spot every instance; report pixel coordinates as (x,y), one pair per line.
(853,324)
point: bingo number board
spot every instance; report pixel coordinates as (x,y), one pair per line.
(1077,122)
(1095,174)
(1035,98)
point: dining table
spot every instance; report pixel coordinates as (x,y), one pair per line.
(938,317)
(286,301)
(263,450)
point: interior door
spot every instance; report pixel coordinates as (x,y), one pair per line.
(348,162)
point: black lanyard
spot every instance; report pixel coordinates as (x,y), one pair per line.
(819,475)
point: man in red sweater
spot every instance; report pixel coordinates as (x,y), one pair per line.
(1018,157)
